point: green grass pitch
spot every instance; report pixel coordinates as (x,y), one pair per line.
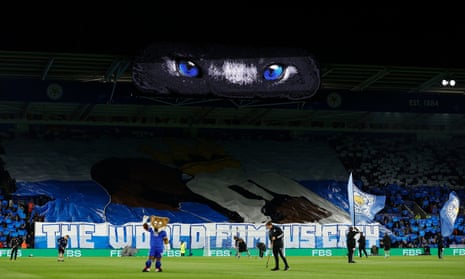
(423,267)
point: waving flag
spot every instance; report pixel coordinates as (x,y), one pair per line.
(350,195)
(448,214)
(363,206)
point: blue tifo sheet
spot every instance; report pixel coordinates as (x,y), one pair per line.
(87,201)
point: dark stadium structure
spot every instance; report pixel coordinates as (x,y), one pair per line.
(381,69)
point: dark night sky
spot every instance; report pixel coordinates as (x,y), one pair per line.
(387,36)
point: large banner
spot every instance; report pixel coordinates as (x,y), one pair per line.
(197,236)
(220,70)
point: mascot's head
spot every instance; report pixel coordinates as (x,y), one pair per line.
(159,222)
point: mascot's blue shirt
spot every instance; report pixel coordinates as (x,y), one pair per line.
(156,239)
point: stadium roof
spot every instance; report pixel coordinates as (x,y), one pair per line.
(360,50)
(351,77)
(397,36)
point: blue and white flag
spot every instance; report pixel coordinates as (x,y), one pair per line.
(449,213)
(363,206)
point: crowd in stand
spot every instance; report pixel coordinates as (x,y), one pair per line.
(415,176)
(413,216)
(16,217)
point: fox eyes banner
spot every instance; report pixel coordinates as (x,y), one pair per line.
(223,71)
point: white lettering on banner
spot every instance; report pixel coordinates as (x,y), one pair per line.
(51,231)
(198,234)
(120,236)
(427,103)
(71,230)
(458,252)
(412,252)
(240,230)
(172,253)
(86,231)
(331,236)
(115,253)
(83,239)
(219,253)
(176,231)
(142,238)
(212,236)
(255,234)
(431,103)
(224,234)
(322,252)
(291,236)
(300,236)
(7,253)
(73,253)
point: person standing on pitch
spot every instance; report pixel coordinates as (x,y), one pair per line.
(362,245)
(276,236)
(15,243)
(183,248)
(440,242)
(353,231)
(62,244)
(387,245)
(261,249)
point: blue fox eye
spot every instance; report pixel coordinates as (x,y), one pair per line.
(273,72)
(188,68)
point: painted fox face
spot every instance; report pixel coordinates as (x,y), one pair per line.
(231,72)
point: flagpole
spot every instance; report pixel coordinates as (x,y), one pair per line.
(353,200)
(351,195)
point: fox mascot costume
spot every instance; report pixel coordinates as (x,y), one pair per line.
(158,241)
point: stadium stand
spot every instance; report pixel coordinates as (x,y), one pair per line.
(410,213)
